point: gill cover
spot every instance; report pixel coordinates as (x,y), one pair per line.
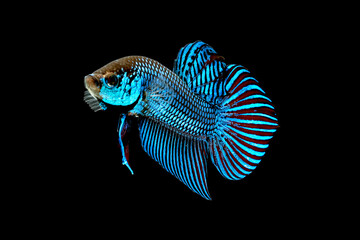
(121,89)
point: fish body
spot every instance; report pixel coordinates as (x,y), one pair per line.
(203,109)
(162,96)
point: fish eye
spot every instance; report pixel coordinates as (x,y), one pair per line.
(111,81)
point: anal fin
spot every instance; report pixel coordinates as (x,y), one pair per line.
(182,156)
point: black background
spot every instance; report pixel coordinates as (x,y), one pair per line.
(82,177)
(66,173)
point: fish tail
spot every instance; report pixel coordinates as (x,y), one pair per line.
(246,123)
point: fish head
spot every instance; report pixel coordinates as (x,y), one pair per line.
(118,88)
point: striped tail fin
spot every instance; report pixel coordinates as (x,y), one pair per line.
(246,123)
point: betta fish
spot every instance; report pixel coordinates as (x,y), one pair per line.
(204,110)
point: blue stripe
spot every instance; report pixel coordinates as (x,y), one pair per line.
(234,174)
(243,90)
(251,121)
(228,172)
(228,147)
(149,136)
(202,174)
(213,76)
(219,164)
(152,148)
(258,145)
(249,150)
(170,144)
(239,70)
(203,76)
(194,178)
(159,142)
(253,136)
(260,115)
(146,133)
(250,87)
(163,145)
(255,96)
(173,157)
(189,170)
(247,106)
(259,129)
(180,159)
(185,168)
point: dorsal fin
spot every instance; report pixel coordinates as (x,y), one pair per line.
(202,69)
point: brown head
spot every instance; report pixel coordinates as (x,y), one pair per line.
(117,83)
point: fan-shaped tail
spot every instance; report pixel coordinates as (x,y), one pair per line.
(246,123)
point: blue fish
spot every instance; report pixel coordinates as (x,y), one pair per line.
(203,109)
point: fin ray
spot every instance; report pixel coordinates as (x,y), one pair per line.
(247,123)
(182,156)
(202,69)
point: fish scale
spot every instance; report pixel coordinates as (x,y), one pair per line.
(184,112)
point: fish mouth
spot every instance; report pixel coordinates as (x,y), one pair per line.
(91,95)
(92,84)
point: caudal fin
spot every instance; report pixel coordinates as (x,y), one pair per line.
(246,118)
(246,123)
